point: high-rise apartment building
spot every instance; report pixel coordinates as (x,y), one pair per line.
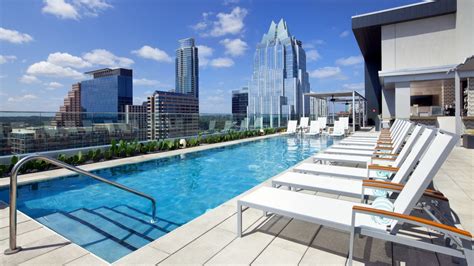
(279,79)
(240,101)
(136,117)
(107,93)
(187,68)
(172,115)
(69,114)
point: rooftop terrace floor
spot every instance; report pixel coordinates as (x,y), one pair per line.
(211,238)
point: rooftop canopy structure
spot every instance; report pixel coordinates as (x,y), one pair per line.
(355,102)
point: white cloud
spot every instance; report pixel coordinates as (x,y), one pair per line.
(204,53)
(344,34)
(74,9)
(222,62)
(325,72)
(22,98)
(234,47)
(145,82)
(231,23)
(354,86)
(349,61)
(67,60)
(28,79)
(60,9)
(14,36)
(7,58)
(44,68)
(312,55)
(156,54)
(92,7)
(224,23)
(53,85)
(106,58)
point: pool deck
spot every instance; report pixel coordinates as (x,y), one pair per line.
(211,238)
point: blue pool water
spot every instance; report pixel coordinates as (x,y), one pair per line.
(112,223)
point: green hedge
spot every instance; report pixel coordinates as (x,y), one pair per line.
(122,149)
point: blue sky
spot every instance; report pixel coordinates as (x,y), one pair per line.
(45,46)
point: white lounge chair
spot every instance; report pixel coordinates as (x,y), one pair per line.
(345,122)
(364,158)
(372,169)
(304,123)
(388,147)
(363,218)
(377,134)
(323,121)
(314,129)
(227,126)
(291,127)
(353,187)
(400,129)
(338,130)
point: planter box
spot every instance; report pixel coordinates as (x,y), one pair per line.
(468,141)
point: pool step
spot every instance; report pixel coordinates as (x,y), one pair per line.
(107,232)
(114,230)
(89,237)
(141,226)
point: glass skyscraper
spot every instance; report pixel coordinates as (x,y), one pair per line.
(279,79)
(187,68)
(109,91)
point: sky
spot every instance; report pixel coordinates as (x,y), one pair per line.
(47,45)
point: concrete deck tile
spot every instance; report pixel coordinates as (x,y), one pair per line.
(290,245)
(58,256)
(329,246)
(29,237)
(20,217)
(22,228)
(249,216)
(183,235)
(42,245)
(147,256)
(201,249)
(245,249)
(87,260)
(368,250)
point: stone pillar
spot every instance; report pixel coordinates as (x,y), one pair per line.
(448,96)
(388,103)
(402,100)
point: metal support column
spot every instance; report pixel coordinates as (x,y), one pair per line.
(353,112)
(457,110)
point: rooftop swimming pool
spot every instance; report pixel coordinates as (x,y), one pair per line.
(112,223)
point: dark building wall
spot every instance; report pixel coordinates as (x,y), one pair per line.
(240,102)
(373,90)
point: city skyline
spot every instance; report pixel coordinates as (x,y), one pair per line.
(36,61)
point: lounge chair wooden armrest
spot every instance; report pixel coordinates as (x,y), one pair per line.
(383,148)
(386,154)
(398,187)
(384,142)
(383,168)
(414,220)
(383,159)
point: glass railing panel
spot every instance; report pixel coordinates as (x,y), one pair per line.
(29,132)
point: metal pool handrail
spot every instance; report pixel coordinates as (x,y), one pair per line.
(13,192)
